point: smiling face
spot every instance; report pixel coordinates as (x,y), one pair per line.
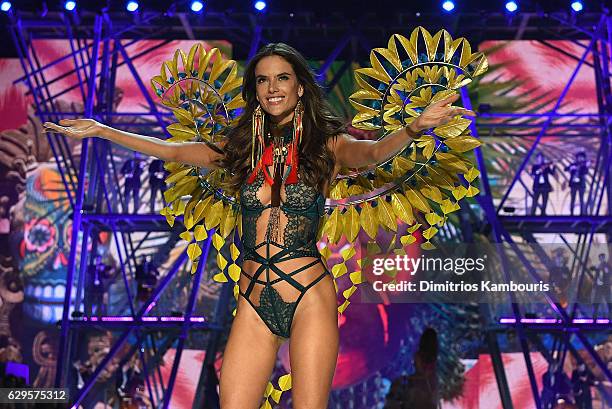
(277,88)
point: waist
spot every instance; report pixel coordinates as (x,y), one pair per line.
(278,253)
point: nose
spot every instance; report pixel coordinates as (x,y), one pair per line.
(272,86)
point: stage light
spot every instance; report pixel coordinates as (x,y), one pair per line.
(260,5)
(197,6)
(132,6)
(448,5)
(5,6)
(577,6)
(511,6)
(70,5)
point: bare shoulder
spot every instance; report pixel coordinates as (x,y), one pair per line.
(336,142)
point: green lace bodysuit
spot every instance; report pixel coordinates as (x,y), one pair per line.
(283,270)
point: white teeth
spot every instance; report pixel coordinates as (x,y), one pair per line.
(276,99)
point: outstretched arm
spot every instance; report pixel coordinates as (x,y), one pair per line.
(192,153)
(353,153)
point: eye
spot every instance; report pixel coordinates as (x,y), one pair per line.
(283,77)
(260,80)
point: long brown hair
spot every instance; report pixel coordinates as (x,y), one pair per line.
(316,161)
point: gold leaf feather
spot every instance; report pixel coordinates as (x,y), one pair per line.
(401,208)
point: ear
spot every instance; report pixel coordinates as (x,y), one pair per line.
(300,91)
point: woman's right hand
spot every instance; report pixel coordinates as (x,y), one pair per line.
(76,128)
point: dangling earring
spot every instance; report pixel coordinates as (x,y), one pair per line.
(297,122)
(257,134)
(291,175)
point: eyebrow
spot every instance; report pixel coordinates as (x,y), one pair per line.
(278,75)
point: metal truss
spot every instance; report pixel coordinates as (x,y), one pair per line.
(316,33)
(564,326)
(98,205)
(96,194)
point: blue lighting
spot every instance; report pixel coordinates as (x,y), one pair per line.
(260,5)
(70,5)
(132,6)
(448,5)
(511,6)
(197,6)
(5,6)
(577,6)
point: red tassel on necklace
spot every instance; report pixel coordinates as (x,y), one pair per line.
(267,157)
(267,160)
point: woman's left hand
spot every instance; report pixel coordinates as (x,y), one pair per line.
(439,113)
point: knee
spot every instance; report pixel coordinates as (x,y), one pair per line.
(233,400)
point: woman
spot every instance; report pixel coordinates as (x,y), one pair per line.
(281,207)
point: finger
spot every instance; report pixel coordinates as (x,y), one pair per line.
(463,111)
(450,99)
(51,127)
(67,121)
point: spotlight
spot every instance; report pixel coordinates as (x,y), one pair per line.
(511,6)
(132,6)
(70,5)
(197,6)
(577,6)
(448,5)
(260,5)
(5,6)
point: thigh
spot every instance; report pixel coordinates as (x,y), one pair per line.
(313,348)
(248,360)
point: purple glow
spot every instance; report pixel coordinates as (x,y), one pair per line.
(144,319)
(549,320)
(123,319)
(539,320)
(179,319)
(149,307)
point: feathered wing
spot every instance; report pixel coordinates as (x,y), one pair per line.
(202,89)
(420,185)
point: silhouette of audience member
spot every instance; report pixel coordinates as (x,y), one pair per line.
(581,386)
(419,390)
(601,285)
(98,274)
(131,170)
(157,175)
(560,275)
(555,386)
(578,171)
(541,183)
